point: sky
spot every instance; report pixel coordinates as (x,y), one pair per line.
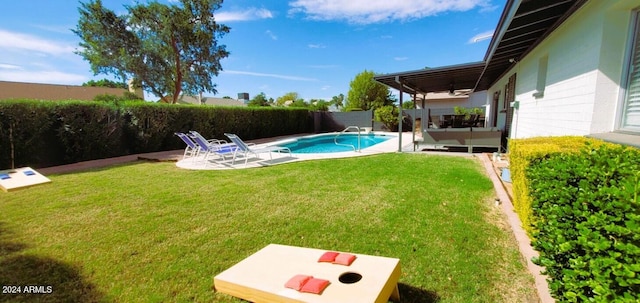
(312,47)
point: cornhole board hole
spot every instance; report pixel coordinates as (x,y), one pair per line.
(12,179)
(261,277)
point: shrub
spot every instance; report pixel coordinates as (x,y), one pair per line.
(524,151)
(147,124)
(23,129)
(587,210)
(42,133)
(388,115)
(87,130)
(467,112)
(126,96)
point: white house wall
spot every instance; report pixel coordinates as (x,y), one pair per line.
(476,99)
(585,59)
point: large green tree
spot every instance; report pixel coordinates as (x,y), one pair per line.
(105,83)
(290,96)
(365,93)
(167,49)
(259,100)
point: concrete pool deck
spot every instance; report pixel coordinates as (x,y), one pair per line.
(275,158)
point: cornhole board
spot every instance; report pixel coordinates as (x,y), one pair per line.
(261,277)
(12,179)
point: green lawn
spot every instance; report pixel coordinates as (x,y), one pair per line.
(150,232)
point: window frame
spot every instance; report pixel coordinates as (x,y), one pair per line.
(632,40)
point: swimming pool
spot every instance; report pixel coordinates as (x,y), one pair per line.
(326,143)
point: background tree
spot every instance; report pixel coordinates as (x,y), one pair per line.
(106,83)
(338,101)
(259,100)
(167,49)
(388,115)
(290,96)
(365,93)
(319,105)
(299,103)
(408,104)
(126,96)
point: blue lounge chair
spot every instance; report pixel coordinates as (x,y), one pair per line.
(245,149)
(209,149)
(217,142)
(192,149)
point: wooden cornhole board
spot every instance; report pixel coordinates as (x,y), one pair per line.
(261,277)
(11,179)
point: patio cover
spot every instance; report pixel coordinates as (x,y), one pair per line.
(522,26)
(462,76)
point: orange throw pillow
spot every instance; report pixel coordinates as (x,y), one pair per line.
(329,256)
(344,259)
(315,286)
(297,282)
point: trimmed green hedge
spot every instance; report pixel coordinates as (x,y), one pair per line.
(586,207)
(44,133)
(524,151)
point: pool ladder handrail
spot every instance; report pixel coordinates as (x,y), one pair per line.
(335,139)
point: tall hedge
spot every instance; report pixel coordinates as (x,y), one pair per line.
(587,227)
(85,131)
(24,131)
(44,133)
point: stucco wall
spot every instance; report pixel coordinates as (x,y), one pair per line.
(19,90)
(476,99)
(585,59)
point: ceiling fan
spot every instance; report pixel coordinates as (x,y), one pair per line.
(458,92)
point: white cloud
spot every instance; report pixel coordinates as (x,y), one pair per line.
(244,15)
(375,11)
(317,46)
(52,77)
(19,41)
(481,37)
(271,35)
(285,77)
(9,66)
(489,8)
(56,29)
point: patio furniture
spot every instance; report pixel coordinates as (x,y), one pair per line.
(472,121)
(262,276)
(216,142)
(192,148)
(469,137)
(246,150)
(447,121)
(458,121)
(209,149)
(436,122)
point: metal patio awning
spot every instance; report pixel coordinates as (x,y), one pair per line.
(462,76)
(522,26)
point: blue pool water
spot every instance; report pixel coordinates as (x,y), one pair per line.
(326,144)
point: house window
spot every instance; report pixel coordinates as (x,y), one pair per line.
(494,109)
(506,94)
(631,114)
